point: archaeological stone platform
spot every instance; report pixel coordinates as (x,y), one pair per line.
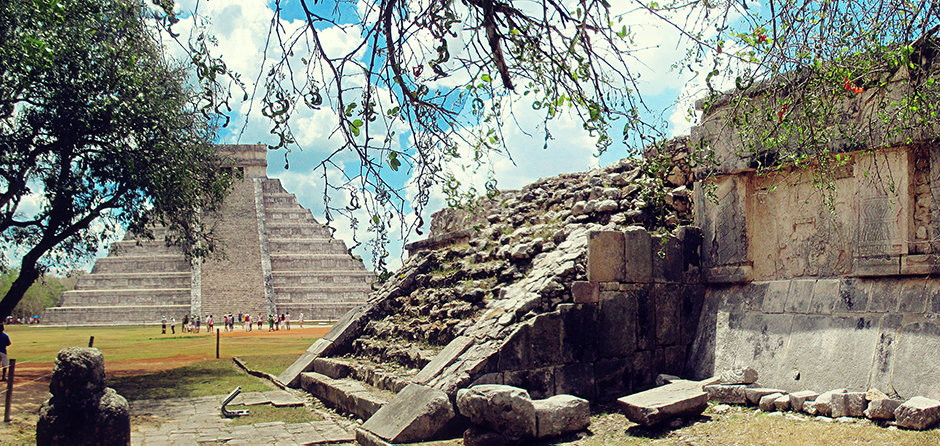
(277,259)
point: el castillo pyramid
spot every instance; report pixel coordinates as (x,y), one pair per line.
(278,259)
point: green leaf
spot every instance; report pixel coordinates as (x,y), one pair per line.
(486,78)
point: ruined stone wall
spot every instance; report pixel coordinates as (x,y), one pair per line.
(824,288)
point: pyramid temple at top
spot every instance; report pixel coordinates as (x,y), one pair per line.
(277,259)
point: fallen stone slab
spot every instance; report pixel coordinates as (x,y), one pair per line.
(918,413)
(741,375)
(348,395)
(882,408)
(417,413)
(683,398)
(726,393)
(822,405)
(848,404)
(798,399)
(561,414)
(504,409)
(754,394)
(767,402)
(782,403)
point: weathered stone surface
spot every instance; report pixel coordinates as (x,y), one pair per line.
(875,394)
(561,414)
(81,411)
(782,403)
(848,404)
(727,393)
(754,394)
(638,255)
(478,436)
(742,375)
(882,408)
(767,402)
(584,292)
(504,409)
(417,413)
(797,399)
(654,406)
(605,256)
(918,413)
(822,405)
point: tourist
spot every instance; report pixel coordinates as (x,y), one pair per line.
(185,326)
(198,327)
(287,321)
(260,321)
(231,322)
(173,325)
(270,322)
(247,326)
(4,360)
(163,325)
(301,318)
(210,322)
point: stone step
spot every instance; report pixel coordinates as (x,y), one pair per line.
(155,296)
(280,200)
(301,262)
(321,278)
(306,245)
(372,375)
(322,294)
(113,315)
(141,247)
(272,185)
(104,281)
(133,264)
(277,229)
(326,311)
(347,395)
(289,215)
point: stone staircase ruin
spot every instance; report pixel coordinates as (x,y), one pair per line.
(278,259)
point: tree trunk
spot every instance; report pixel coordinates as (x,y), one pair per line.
(28,274)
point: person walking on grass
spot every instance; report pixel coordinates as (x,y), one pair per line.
(210,322)
(173,325)
(247,326)
(270,322)
(163,325)
(198,324)
(4,359)
(260,321)
(301,319)
(287,321)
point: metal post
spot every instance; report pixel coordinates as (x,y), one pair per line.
(217,343)
(9,399)
(91,341)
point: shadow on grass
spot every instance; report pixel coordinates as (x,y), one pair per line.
(213,377)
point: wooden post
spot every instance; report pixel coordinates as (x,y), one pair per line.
(217,343)
(91,341)
(9,398)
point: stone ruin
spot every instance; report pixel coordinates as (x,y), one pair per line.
(81,410)
(572,285)
(278,259)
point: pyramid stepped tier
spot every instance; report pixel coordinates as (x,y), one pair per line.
(277,259)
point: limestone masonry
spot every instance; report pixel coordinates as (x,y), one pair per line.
(278,259)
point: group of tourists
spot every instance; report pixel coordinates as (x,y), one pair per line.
(193,324)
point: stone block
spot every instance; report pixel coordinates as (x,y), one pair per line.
(727,274)
(918,413)
(848,404)
(579,334)
(366,438)
(417,413)
(767,402)
(616,326)
(446,356)
(576,379)
(561,414)
(638,255)
(539,382)
(877,266)
(614,377)
(913,296)
(726,393)
(882,408)
(605,262)
(825,294)
(782,403)
(822,405)
(584,292)
(775,297)
(545,339)
(331,367)
(933,290)
(645,319)
(675,359)
(797,399)
(650,407)
(738,375)
(800,296)
(514,354)
(668,303)
(504,409)
(920,264)
(883,296)
(291,375)
(754,394)
(693,296)
(853,296)
(668,264)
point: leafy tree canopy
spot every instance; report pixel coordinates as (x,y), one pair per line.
(420,82)
(97,131)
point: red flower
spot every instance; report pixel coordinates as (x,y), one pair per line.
(852,87)
(783,110)
(762,38)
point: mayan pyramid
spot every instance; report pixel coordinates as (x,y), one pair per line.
(278,259)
